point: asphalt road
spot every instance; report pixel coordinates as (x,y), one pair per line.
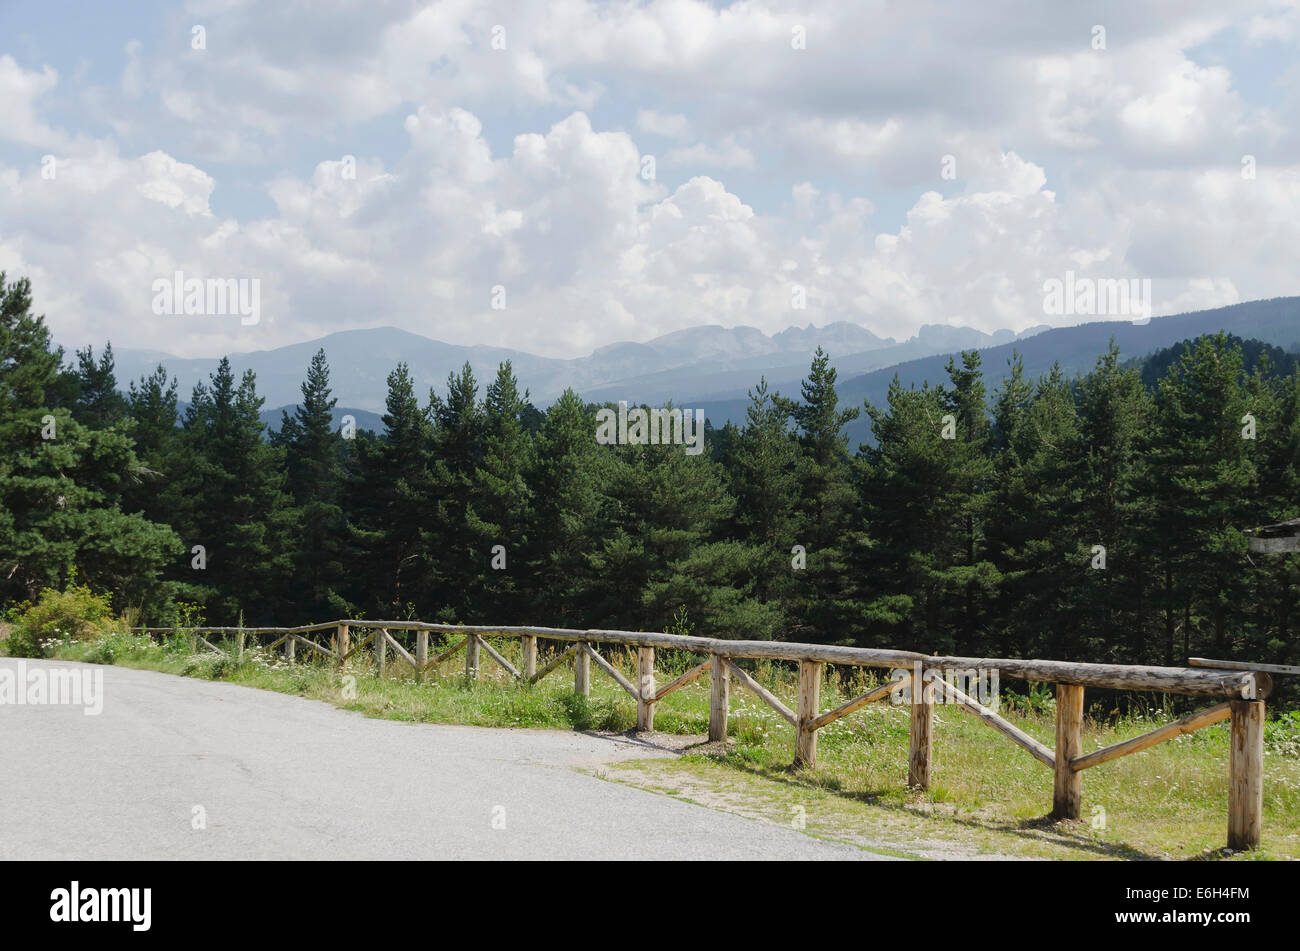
(284,777)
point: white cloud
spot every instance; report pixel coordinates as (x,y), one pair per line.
(502,167)
(20,90)
(672,125)
(726,154)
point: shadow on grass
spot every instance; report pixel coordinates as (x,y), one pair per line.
(1043,829)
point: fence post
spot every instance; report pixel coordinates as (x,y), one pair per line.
(290,647)
(921,731)
(1067,787)
(343,645)
(582,672)
(381,651)
(1246,775)
(810,683)
(719,697)
(421,653)
(530,657)
(471,657)
(645,704)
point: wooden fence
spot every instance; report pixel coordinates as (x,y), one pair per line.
(1240,689)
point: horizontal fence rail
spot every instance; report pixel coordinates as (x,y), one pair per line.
(1239,686)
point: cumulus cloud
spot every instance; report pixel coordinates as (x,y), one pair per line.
(898,175)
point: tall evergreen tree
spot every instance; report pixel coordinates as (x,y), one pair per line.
(563,478)
(458,562)
(390,502)
(1032,532)
(230,499)
(1208,474)
(827,501)
(98,403)
(313,452)
(60,481)
(765,468)
(498,514)
(1115,513)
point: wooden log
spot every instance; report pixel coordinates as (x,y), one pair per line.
(719,697)
(277,642)
(212,646)
(773,650)
(1191,681)
(920,750)
(319,648)
(290,647)
(1246,775)
(768,697)
(976,709)
(496,656)
(406,656)
(530,656)
(622,681)
(342,646)
(1288,669)
(1188,724)
(1223,684)
(645,697)
(805,737)
(472,643)
(857,703)
(449,651)
(555,662)
(582,671)
(353,648)
(683,680)
(381,651)
(421,653)
(1067,786)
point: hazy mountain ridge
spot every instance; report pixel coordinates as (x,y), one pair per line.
(713,367)
(1275,321)
(698,361)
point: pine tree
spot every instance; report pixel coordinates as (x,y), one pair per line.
(1032,531)
(826,507)
(1115,515)
(498,514)
(1208,475)
(98,404)
(657,533)
(765,467)
(559,544)
(927,570)
(389,503)
(457,560)
(229,497)
(151,406)
(59,481)
(313,451)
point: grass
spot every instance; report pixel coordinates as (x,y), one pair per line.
(988,796)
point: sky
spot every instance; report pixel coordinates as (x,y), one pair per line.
(558,177)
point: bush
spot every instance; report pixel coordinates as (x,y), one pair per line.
(77,614)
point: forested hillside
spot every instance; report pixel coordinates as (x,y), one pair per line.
(1089,518)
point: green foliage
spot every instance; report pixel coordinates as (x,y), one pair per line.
(1282,734)
(76,614)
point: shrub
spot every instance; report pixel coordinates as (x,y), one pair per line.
(77,614)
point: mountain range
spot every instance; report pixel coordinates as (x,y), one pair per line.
(711,367)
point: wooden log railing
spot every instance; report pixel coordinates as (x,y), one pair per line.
(1240,687)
